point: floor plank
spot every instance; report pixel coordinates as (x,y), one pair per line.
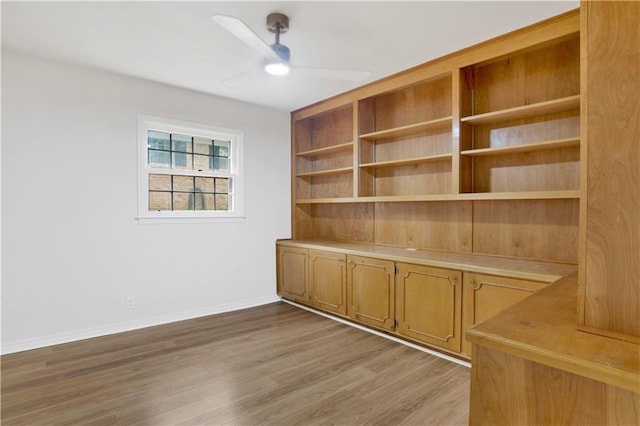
(271,365)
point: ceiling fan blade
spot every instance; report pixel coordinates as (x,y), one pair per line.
(333,73)
(239,29)
(239,76)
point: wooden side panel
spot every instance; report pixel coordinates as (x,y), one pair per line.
(302,136)
(371,291)
(510,390)
(328,281)
(343,222)
(302,222)
(556,170)
(432,142)
(535,229)
(433,225)
(332,128)
(539,75)
(428,303)
(415,179)
(330,186)
(293,278)
(422,102)
(335,160)
(484,296)
(609,296)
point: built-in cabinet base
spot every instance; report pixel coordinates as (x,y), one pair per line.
(422,296)
(532,366)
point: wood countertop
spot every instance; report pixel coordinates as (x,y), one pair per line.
(547,272)
(543,329)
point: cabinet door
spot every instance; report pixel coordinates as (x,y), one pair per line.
(428,304)
(293,279)
(485,295)
(370,291)
(328,280)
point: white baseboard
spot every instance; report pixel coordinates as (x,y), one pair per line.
(377,333)
(88,333)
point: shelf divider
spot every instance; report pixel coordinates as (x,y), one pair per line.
(326,150)
(540,108)
(411,129)
(525,147)
(325,172)
(405,162)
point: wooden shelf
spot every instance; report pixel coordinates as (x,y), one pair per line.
(527,147)
(525,195)
(411,129)
(547,107)
(325,172)
(326,150)
(334,200)
(380,199)
(408,161)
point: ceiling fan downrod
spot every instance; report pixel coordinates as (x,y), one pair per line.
(278,23)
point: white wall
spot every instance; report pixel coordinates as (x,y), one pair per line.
(71,249)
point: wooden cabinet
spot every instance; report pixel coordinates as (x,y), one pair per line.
(371,291)
(328,280)
(428,304)
(486,295)
(292,273)
(428,297)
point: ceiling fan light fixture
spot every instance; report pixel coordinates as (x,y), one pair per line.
(277,68)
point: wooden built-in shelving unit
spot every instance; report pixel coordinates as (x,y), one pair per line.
(474,157)
(435,199)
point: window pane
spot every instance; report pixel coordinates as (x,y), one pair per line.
(182,201)
(158,140)
(204,184)
(221,164)
(222,202)
(182,160)
(159,201)
(202,146)
(183,183)
(160,182)
(181,143)
(222,185)
(202,162)
(159,158)
(221,148)
(204,201)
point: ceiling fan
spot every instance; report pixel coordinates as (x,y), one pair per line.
(277,56)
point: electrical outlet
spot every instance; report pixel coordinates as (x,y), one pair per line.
(131,302)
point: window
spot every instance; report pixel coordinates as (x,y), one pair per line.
(188,171)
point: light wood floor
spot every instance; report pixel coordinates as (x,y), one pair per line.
(271,365)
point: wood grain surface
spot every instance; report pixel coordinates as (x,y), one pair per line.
(271,365)
(610,242)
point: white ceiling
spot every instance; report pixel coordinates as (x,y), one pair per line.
(177,42)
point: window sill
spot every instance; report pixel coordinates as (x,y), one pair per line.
(150,220)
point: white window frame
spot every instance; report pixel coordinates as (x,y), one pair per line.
(148,122)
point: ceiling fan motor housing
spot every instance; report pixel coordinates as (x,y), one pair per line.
(277,21)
